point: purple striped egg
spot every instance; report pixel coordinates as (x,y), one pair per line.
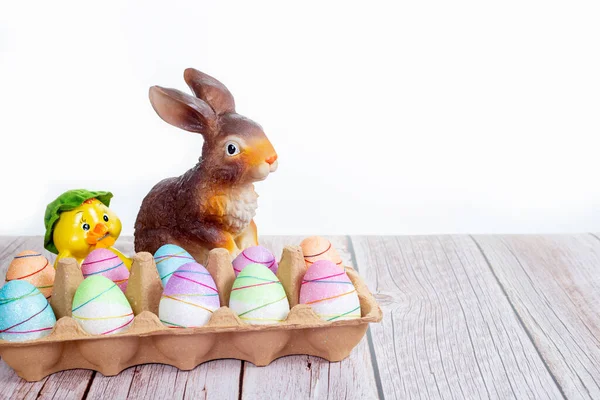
(255,255)
(190,297)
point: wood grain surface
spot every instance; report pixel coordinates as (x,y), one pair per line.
(510,316)
(448,330)
(553,283)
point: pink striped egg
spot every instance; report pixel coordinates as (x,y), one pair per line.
(328,290)
(106,263)
(255,255)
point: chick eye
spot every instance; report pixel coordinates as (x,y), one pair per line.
(105,218)
(85,227)
(232,148)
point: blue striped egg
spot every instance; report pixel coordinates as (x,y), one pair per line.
(168,258)
(25,314)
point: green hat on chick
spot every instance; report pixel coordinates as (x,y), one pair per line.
(66,202)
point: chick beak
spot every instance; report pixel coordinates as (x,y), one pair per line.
(100,232)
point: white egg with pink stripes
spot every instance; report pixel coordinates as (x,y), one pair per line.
(328,290)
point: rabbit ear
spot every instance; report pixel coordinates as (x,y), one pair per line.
(182,110)
(209,89)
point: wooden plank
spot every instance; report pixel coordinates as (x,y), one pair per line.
(211,380)
(125,245)
(306,377)
(214,380)
(67,385)
(11,386)
(448,330)
(154,381)
(111,387)
(553,282)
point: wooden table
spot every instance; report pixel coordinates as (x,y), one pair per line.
(464,317)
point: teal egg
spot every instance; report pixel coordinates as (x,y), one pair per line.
(168,258)
(24,312)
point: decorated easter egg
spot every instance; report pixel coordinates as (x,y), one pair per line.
(33,267)
(106,263)
(100,307)
(190,297)
(24,312)
(168,258)
(317,248)
(258,297)
(256,255)
(328,290)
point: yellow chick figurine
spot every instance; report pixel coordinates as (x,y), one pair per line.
(79,221)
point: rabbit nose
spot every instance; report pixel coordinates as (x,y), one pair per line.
(272,159)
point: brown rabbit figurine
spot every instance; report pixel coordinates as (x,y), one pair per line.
(213,204)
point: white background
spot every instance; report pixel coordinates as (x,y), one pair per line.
(408,118)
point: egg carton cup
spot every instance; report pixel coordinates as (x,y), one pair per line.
(147,340)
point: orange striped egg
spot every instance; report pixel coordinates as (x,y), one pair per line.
(317,248)
(33,267)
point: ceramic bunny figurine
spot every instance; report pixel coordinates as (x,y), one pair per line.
(213,204)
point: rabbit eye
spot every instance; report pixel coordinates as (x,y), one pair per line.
(232,148)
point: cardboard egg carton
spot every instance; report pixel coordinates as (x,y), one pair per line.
(225,336)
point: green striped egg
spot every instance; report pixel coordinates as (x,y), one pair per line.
(100,307)
(258,297)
